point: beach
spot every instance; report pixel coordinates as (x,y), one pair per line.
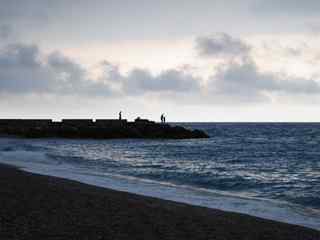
(159,120)
(41,207)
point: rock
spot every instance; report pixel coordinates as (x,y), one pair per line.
(99,129)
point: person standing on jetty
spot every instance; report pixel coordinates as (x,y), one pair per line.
(163,118)
(120,115)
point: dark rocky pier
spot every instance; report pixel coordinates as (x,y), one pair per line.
(98,129)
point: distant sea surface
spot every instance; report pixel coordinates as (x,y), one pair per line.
(270,170)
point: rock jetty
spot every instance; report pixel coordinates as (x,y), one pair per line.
(98,129)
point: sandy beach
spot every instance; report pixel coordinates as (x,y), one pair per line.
(42,207)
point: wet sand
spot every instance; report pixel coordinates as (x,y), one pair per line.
(41,207)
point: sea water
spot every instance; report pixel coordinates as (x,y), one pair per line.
(269,170)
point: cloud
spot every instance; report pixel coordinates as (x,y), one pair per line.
(244,82)
(71,74)
(239,79)
(141,81)
(24,69)
(111,72)
(221,44)
(21,70)
(234,82)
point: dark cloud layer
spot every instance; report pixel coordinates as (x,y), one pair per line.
(221,44)
(24,69)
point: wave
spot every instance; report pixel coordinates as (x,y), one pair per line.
(145,168)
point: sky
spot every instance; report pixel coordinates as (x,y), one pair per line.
(205,60)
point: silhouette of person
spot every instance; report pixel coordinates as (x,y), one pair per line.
(137,119)
(164,119)
(161,118)
(120,115)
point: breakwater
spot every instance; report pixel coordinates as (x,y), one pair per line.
(95,129)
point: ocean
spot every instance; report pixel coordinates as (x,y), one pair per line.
(270,170)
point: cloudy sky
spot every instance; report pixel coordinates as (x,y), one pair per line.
(205,60)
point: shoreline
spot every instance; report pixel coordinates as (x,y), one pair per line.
(262,208)
(37,206)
